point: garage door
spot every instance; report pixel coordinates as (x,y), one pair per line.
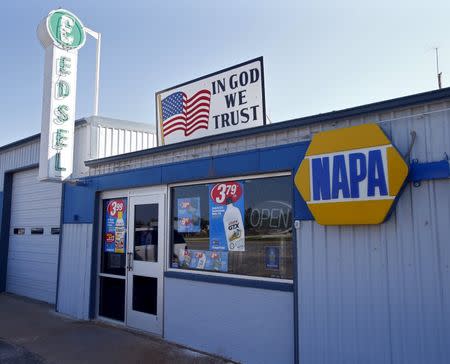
(34,237)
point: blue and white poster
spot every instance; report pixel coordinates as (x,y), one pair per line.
(272,257)
(188,215)
(226,217)
(204,260)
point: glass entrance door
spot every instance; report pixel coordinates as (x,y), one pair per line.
(145,256)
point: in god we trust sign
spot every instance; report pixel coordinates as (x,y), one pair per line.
(61,34)
(222,102)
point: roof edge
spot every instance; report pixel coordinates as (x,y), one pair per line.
(378,106)
(26,140)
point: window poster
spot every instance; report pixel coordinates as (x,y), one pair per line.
(115,225)
(272,257)
(205,260)
(226,211)
(188,215)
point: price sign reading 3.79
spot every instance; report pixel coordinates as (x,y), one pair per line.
(221,192)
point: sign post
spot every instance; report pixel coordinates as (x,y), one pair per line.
(61,34)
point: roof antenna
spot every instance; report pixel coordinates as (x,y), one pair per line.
(439,74)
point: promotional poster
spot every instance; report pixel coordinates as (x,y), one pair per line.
(188,215)
(226,216)
(205,260)
(272,257)
(115,225)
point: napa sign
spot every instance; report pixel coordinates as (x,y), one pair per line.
(351,176)
(61,34)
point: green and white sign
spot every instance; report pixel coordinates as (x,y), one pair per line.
(61,34)
(66,29)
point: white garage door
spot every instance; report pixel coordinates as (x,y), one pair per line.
(34,237)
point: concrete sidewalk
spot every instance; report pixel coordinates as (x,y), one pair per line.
(31,332)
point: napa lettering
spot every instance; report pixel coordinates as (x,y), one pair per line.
(351,176)
(360,175)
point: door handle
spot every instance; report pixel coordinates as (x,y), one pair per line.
(130,261)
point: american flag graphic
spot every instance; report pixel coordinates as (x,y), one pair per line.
(187,114)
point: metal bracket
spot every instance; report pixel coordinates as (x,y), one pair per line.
(416,183)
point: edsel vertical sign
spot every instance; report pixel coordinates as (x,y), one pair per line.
(61,34)
(222,102)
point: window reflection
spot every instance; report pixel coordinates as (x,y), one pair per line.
(267,215)
(146,232)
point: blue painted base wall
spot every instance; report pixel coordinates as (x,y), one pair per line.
(248,325)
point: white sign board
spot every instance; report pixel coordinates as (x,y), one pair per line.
(222,102)
(61,34)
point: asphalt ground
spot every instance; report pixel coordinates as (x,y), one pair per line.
(32,332)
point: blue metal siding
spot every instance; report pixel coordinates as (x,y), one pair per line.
(238,164)
(367,294)
(249,325)
(78,204)
(182,171)
(427,171)
(80,199)
(4,233)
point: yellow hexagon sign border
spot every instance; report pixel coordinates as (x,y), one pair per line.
(352,212)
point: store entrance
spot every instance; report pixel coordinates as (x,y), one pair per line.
(145,263)
(132,255)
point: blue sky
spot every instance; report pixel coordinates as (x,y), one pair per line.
(319,56)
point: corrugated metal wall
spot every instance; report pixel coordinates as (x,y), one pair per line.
(249,325)
(75,270)
(112,137)
(87,138)
(18,157)
(28,154)
(206,150)
(375,294)
(381,294)
(99,137)
(113,141)
(33,258)
(435,112)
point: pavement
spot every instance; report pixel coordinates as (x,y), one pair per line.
(32,332)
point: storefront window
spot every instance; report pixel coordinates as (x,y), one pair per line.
(241,227)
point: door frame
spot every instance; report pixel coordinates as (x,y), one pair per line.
(160,190)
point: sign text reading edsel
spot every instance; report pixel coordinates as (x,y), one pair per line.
(61,34)
(225,101)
